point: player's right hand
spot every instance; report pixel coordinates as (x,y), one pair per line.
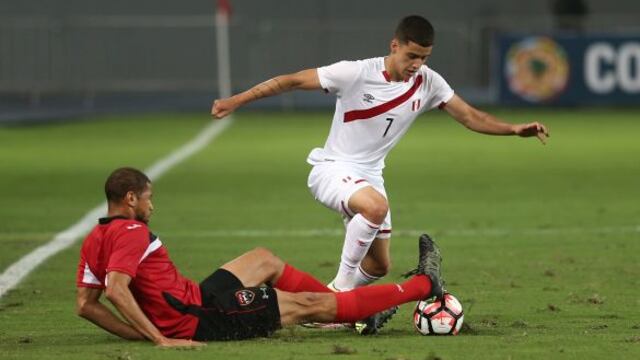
(172,343)
(222,108)
(532,129)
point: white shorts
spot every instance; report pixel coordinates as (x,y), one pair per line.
(333,183)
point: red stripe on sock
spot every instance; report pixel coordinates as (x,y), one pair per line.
(370,224)
(365,301)
(294,280)
(367,275)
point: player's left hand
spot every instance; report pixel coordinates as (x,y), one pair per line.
(179,343)
(532,129)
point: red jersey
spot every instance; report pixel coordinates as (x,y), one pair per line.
(127,246)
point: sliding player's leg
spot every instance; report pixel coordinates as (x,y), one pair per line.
(360,303)
(260,266)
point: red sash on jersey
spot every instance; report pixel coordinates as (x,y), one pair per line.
(383,108)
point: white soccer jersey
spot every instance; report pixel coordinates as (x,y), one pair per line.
(373,112)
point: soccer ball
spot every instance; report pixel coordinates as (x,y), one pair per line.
(433,317)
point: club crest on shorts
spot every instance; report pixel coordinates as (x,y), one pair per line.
(245,297)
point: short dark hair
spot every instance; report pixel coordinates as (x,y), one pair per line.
(417,29)
(123,180)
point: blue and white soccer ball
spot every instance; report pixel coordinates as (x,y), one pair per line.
(435,317)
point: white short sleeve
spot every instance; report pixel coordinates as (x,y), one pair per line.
(439,92)
(337,78)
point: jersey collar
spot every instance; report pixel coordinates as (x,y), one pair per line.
(106,220)
(388,77)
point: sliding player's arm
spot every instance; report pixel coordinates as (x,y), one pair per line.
(119,294)
(486,123)
(90,308)
(302,80)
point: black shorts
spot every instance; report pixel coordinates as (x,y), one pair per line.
(232,312)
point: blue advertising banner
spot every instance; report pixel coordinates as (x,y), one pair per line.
(569,69)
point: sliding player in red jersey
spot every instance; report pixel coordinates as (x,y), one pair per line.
(250,296)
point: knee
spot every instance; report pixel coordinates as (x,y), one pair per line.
(376,210)
(267,259)
(262,252)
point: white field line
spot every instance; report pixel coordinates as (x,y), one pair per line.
(62,240)
(304,233)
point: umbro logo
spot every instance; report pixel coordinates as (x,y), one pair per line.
(368,98)
(133,226)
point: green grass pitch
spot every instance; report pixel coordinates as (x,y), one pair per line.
(540,243)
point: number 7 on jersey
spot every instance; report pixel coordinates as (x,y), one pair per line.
(390,120)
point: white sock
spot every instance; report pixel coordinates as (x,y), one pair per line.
(362,278)
(358,239)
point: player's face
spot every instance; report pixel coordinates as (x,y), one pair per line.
(409,57)
(144,207)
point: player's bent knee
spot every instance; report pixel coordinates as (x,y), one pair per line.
(380,210)
(262,252)
(267,259)
(376,211)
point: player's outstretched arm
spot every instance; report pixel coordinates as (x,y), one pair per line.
(302,80)
(486,123)
(90,308)
(119,294)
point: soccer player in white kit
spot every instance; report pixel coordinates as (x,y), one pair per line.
(377,101)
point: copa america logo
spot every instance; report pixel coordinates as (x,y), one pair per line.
(537,69)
